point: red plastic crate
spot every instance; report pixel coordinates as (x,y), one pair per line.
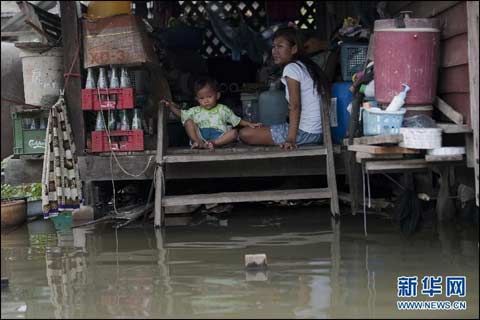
(121,98)
(131,140)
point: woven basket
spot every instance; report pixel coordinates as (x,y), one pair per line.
(421,138)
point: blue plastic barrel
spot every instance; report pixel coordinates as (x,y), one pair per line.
(344,97)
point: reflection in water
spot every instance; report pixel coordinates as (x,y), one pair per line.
(314,270)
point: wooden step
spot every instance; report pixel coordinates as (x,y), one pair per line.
(251,196)
(454,128)
(242,154)
(381,149)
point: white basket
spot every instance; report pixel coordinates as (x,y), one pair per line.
(421,138)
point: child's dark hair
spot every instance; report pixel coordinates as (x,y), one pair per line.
(203,82)
(319,78)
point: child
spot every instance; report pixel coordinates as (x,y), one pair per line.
(206,124)
(306,87)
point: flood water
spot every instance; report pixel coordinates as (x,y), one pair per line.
(316,268)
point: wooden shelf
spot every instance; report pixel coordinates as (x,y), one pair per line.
(245,153)
(253,196)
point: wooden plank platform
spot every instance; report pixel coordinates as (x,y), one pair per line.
(381,150)
(383,139)
(251,196)
(362,156)
(454,128)
(245,153)
(402,165)
(435,158)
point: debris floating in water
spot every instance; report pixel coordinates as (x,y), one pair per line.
(256,261)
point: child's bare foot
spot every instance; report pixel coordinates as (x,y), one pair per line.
(209,145)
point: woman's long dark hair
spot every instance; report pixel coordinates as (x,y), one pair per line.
(320,80)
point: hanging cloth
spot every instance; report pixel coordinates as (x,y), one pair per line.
(61,186)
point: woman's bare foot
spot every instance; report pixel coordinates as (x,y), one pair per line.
(196,145)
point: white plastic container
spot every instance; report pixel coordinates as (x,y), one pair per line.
(446,151)
(421,138)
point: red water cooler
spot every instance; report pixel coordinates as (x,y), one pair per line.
(406,51)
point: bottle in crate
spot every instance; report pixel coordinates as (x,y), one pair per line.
(114,82)
(90,83)
(125,79)
(112,121)
(136,120)
(124,125)
(99,123)
(102,79)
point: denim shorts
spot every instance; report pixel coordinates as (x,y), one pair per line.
(210,134)
(280,132)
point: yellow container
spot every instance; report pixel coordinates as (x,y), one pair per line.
(103,9)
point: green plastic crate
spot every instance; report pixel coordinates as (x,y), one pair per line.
(29,131)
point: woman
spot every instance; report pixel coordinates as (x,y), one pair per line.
(305,86)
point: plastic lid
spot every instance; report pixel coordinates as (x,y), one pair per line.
(389,24)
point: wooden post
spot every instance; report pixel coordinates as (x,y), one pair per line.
(71,36)
(160,176)
(327,141)
(472,21)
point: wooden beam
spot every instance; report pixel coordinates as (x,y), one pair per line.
(360,156)
(381,150)
(454,128)
(472,16)
(251,196)
(396,165)
(383,139)
(160,174)
(327,142)
(163,91)
(71,54)
(448,111)
(435,158)
(244,156)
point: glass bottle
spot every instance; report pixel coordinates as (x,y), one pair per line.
(102,79)
(124,125)
(99,123)
(112,121)
(114,82)
(43,123)
(90,83)
(33,126)
(136,121)
(125,79)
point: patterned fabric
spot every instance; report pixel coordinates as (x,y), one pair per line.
(280,132)
(61,186)
(216,118)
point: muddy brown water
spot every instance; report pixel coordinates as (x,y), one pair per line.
(316,268)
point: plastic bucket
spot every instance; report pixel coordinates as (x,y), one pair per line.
(377,122)
(42,76)
(340,90)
